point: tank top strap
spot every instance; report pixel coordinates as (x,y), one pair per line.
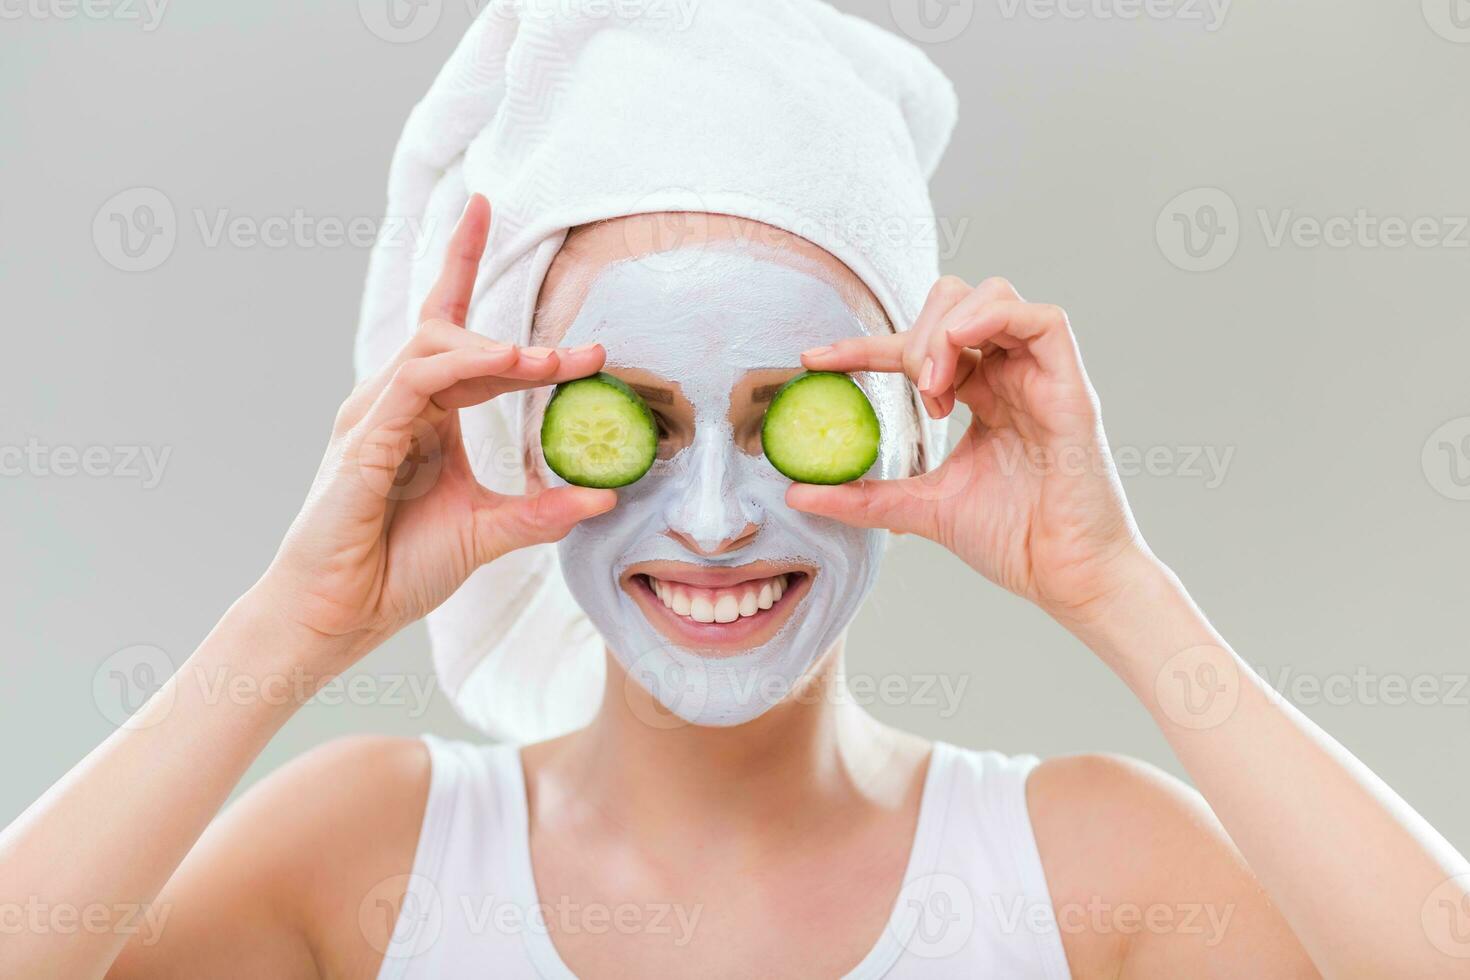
(977,903)
(462,913)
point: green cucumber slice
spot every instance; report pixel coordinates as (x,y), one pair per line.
(597,432)
(821,428)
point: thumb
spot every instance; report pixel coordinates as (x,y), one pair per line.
(867,503)
(541,518)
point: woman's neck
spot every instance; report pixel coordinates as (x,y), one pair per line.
(646,771)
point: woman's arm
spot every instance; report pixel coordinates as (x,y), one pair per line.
(1030,498)
(377,545)
(105,839)
(1368,887)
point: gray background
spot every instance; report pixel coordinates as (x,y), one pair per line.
(1333,548)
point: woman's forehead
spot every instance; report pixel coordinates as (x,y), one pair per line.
(710,313)
(672,243)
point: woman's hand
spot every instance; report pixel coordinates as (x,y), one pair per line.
(1029,497)
(396,520)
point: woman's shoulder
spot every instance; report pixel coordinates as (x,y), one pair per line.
(1116,834)
(373,821)
(345,819)
(359,797)
(370,758)
(299,869)
(356,784)
(1084,806)
(1077,796)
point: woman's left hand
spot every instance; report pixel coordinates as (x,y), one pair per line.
(1029,497)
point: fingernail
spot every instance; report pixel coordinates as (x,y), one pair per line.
(536,353)
(585,348)
(927,374)
(818,352)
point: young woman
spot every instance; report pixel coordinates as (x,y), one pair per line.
(751,820)
(775,848)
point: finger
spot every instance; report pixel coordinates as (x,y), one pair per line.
(409,395)
(432,337)
(1041,328)
(943,353)
(867,503)
(440,337)
(530,371)
(948,292)
(885,353)
(435,337)
(450,298)
(508,523)
(397,426)
(971,386)
(881,353)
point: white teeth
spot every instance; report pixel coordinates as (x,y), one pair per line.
(727,610)
(725,605)
(701,610)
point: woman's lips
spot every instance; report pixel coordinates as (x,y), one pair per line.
(717,609)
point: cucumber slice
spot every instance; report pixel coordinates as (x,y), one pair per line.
(597,432)
(821,428)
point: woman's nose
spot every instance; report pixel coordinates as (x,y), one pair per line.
(707,515)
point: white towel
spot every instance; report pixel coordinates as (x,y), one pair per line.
(564,112)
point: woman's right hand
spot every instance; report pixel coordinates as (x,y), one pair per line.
(395,520)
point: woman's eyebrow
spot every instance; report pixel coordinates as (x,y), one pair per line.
(764,393)
(659,396)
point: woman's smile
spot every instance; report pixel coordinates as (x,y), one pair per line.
(717,610)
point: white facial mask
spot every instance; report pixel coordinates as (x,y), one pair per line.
(702,318)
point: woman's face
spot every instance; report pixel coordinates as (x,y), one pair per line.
(709,590)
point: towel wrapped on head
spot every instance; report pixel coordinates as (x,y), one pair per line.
(566,112)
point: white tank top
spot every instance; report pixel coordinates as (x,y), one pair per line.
(974,902)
